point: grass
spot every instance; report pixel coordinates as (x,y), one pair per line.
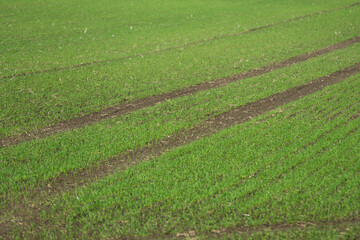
(292,172)
(226,179)
(50,34)
(35,101)
(345,230)
(31,164)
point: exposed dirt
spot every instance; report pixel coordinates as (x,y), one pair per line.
(173,47)
(236,116)
(246,231)
(123,161)
(151,101)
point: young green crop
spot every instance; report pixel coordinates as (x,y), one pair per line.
(295,164)
(223,180)
(30,164)
(31,102)
(40,35)
(323,230)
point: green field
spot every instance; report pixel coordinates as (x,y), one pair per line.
(180,119)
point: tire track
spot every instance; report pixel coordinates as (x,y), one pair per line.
(122,109)
(146,209)
(235,116)
(245,230)
(71,181)
(174,47)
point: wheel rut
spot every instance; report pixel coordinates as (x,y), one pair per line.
(173,47)
(71,181)
(247,230)
(125,108)
(233,117)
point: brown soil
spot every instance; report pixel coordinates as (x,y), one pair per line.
(152,100)
(173,47)
(236,116)
(246,231)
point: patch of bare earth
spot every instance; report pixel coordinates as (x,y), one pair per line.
(340,225)
(152,100)
(170,48)
(235,116)
(30,214)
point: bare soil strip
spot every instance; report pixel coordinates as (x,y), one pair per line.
(244,230)
(67,182)
(177,46)
(152,100)
(153,149)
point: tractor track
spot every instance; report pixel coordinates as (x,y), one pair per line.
(125,108)
(153,149)
(173,47)
(71,181)
(247,231)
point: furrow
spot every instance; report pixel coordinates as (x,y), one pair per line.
(208,127)
(173,47)
(260,156)
(236,116)
(152,100)
(248,231)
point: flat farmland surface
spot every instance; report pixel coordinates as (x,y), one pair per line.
(180,119)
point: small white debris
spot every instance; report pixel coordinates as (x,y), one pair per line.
(85,30)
